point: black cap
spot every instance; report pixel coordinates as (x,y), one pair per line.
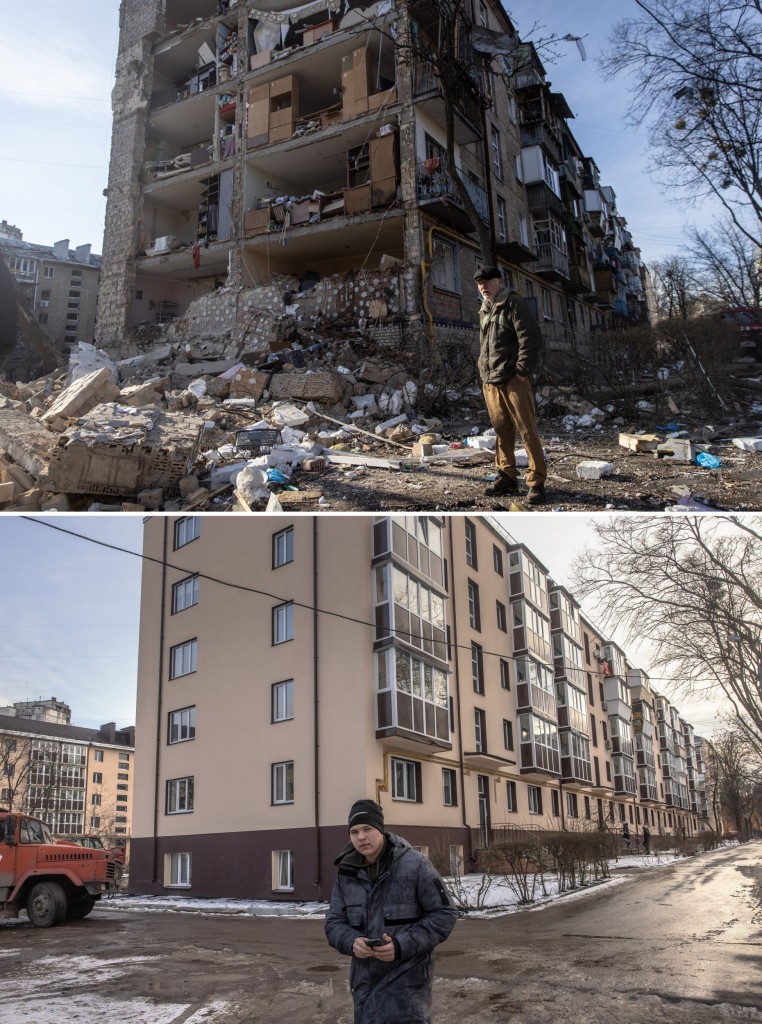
(366,812)
(487,274)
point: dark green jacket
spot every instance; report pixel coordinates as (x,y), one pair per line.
(510,339)
(407,901)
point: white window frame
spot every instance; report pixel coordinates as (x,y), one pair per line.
(449,787)
(97,778)
(179,795)
(283,547)
(183,659)
(282,708)
(496,150)
(282,783)
(185,594)
(186,530)
(534,799)
(283,623)
(508,738)
(179,867)
(404,780)
(502,220)
(511,795)
(184,719)
(98,755)
(283,870)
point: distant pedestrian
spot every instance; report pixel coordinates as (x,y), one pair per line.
(388,911)
(626,835)
(646,839)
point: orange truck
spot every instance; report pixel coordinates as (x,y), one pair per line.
(52,881)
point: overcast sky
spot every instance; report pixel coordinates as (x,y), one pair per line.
(70,609)
(55,126)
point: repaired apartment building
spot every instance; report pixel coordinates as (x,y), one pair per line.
(257,139)
(289,666)
(79,781)
(59,286)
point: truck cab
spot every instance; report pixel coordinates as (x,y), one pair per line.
(52,882)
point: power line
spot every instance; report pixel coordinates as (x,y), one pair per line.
(284,600)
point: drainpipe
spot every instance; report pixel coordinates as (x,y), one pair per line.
(461,766)
(159,723)
(316,697)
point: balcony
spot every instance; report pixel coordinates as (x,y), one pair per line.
(438,195)
(539,133)
(576,769)
(579,282)
(541,198)
(427,92)
(530,697)
(552,262)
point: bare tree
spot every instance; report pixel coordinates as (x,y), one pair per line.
(691,585)
(735,769)
(696,73)
(727,264)
(675,288)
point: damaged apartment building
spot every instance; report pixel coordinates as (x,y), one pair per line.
(260,142)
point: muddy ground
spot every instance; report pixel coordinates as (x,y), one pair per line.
(640,482)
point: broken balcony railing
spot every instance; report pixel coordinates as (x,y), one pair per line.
(435,182)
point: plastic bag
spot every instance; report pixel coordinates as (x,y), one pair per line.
(708,461)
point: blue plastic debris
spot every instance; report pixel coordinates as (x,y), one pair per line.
(708,461)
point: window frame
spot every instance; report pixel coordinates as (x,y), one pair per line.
(508,738)
(179,799)
(281,783)
(179,870)
(286,608)
(191,725)
(449,789)
(181,533)
(287,685)
(181,588)
(411,790)
(192,646)
(287,556)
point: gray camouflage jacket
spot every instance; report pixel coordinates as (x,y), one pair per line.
(408,902)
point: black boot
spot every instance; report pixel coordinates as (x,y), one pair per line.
(502,485)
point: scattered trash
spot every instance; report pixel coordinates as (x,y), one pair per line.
(592,469)
(708,461)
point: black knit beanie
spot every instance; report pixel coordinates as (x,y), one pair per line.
(366,812)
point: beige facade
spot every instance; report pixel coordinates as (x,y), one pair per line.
(80,781)
(289,666)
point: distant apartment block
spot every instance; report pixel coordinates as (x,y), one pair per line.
(251,141)
(289,666)
(80,781)
(59,286)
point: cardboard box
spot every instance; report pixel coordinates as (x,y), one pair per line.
(315,32)
(282,132)
(357,200)
(259,60)
(280,117)
(256,221)
(384,191)
(300,212)
(381,99)
(282,86)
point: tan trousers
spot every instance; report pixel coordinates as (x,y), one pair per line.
(510,407)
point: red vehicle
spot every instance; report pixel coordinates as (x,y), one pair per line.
(52,881)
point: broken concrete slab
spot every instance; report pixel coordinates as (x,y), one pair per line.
(247,383)
(156,456)
(26,440)
(748,444)
(316,387)
(83,395)
(678,448)
(188,371)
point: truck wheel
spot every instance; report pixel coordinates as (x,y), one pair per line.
(78,909)
(46,904)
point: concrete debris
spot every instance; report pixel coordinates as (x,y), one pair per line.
(748,444)
(592,469)
(261,397)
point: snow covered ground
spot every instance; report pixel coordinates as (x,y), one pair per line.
(485,898)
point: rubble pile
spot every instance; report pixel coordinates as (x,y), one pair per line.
(289,411)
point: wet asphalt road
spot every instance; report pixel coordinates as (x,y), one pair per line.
(679,944)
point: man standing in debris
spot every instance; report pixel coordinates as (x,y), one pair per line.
(510,340)
(389,909)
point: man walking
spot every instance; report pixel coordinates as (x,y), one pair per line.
(509,341)
(389,909)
